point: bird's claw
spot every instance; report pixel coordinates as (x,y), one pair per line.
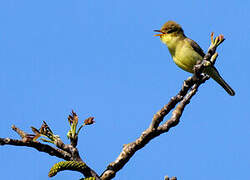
(207,63)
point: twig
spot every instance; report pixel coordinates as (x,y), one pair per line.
(172,178)
(38,146)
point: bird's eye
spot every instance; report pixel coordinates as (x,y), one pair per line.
(170,31)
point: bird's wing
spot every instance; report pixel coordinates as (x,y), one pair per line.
(196,47)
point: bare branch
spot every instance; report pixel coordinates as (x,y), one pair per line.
(129,149)
(38,146)
(172,178)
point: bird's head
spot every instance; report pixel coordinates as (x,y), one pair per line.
(170,28)
(169,32)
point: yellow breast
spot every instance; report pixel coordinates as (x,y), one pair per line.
(182,52)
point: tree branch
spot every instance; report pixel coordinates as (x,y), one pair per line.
(38,146)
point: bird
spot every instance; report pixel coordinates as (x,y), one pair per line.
(186,52)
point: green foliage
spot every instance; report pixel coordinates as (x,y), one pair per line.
(67,165)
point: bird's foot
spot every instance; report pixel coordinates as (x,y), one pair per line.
(207,63)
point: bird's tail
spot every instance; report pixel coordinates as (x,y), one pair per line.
(213,73)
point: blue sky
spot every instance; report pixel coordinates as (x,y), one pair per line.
(100,58)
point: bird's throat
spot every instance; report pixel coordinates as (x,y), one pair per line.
(172,40)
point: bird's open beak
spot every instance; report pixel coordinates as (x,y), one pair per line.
(162,33)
